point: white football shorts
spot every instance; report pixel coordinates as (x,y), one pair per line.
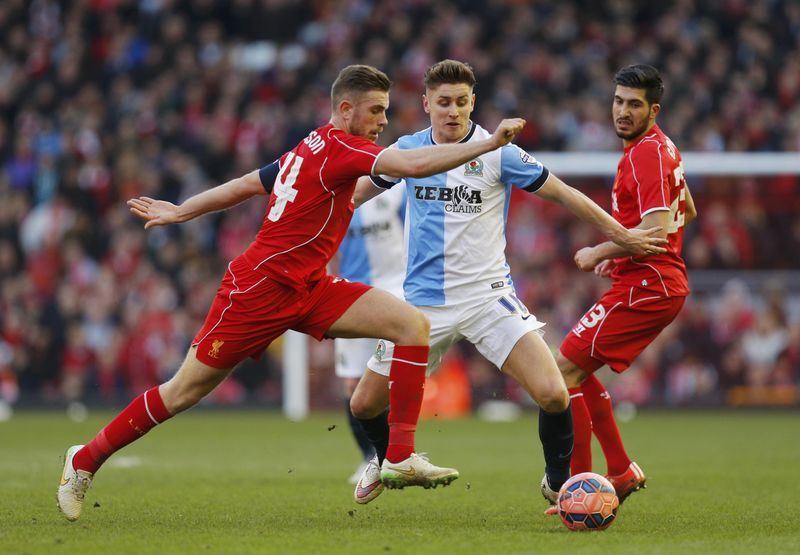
(352,356)
(493,325)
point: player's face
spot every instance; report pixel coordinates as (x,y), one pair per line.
(632,114)
(450,106)
(367,117)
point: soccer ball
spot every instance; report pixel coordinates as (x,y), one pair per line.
(587,501)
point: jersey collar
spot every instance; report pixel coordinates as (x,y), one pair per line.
(466,137)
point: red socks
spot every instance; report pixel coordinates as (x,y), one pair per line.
(138,418)
(582,429)
(604,426)
(406,388)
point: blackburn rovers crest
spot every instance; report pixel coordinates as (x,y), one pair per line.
(380,350)
(474,167)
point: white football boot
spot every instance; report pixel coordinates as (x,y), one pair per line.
(416,470)
(369,485)
(73,486)
(550,495)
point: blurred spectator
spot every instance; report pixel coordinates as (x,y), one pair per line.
(101,101)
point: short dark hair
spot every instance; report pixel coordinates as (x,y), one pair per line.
(642,76)
(359,79)
(451,72)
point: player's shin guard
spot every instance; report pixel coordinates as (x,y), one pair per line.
(598,402)
(555,433)
(138,418)
(377,430)
(582,428)
(406,388)
(360,435)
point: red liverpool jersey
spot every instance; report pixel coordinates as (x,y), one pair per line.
(650,178)
(311,205)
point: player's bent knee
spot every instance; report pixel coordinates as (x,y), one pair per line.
(424,326)
(415,329)
(553,400)
(363,408)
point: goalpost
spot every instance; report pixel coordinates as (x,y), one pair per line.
(567,164)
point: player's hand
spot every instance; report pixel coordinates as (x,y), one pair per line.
(154,212)
(644,242)
(604,268)
(585,259)
(507,130)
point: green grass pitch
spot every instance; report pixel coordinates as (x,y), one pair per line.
(252,482)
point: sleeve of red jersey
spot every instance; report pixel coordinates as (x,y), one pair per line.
(650,177)
(355,156)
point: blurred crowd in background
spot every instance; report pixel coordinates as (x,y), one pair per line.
(104,100)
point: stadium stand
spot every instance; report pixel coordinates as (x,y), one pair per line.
(103,100)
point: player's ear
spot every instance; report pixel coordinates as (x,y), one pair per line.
(654,110)
(346,108)
(425,104)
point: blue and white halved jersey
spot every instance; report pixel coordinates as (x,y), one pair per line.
(373,250)
(457,222)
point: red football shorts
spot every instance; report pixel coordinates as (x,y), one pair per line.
(617,329)
(250,311)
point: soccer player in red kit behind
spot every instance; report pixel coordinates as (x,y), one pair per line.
(280,283)
(647,292)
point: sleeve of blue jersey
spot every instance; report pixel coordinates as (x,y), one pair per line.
(268,174)
(521,170)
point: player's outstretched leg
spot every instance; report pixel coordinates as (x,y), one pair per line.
(73,486)
(193,381)
(82,461)
(416,470)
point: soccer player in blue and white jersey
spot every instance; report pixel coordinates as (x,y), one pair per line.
(372,252)
(458,276)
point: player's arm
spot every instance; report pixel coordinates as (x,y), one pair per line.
(644,240)
(690,209)
(365,190)
(588,258)
(430,160)
(160,212)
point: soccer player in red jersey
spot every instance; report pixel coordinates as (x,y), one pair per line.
(647,292)
(280,283)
